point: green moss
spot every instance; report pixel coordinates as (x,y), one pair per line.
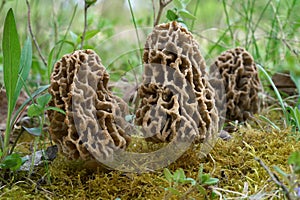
(230,161)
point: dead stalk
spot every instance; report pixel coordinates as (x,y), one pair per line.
(33,37)
(162,5)
(275,179)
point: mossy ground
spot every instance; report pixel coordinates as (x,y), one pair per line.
(231,161)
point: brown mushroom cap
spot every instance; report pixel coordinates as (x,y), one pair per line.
(94,125)
(176,95)
(240,77)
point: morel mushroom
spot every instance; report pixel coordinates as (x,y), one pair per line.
(240,77)
(177,100)
(94,125)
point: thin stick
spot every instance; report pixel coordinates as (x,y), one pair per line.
(86,6)
(66,33)
(162,5)
(275,178)
(33,37)
(154,10)
(2,5)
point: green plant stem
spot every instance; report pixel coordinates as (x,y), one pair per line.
(218,42)
(228,19)
(136,31)
(66,33)
(258,56)
(195,13)
(270,45)
(7,134)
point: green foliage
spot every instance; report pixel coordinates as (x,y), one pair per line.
(294,159)
(90,2)
(291,114)
(38,110)
(179,12)
(16,64)
(178,179)
(12,162)
(76,38)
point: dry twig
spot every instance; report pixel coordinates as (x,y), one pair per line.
(86,7)
(162,5)
(33,37)
(275,179)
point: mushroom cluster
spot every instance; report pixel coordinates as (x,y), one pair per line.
(242,85)
(177,100)
(93,126)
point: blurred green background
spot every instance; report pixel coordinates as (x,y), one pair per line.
(269,29)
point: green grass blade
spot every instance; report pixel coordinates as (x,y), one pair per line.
(25,66)
(136,32)
(270,122)
(227,19)
(278,96)
(11,58)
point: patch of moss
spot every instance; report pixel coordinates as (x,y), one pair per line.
(230,161)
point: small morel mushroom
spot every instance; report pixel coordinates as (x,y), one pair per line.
(240,77)
(94,125)
(177,100)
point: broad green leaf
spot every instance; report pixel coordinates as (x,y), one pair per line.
(171,15)
(204,178)
(211,181)
(179,175)
(294,159)
(89,35)
(12,162)
(178,4)
(74,37)
(35,110)
(11,58)
(43,100)
(168,175)
(90,2)
(25,65)
(36,131)
(295,76)
(186,14)
(297,117)
(185,2)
